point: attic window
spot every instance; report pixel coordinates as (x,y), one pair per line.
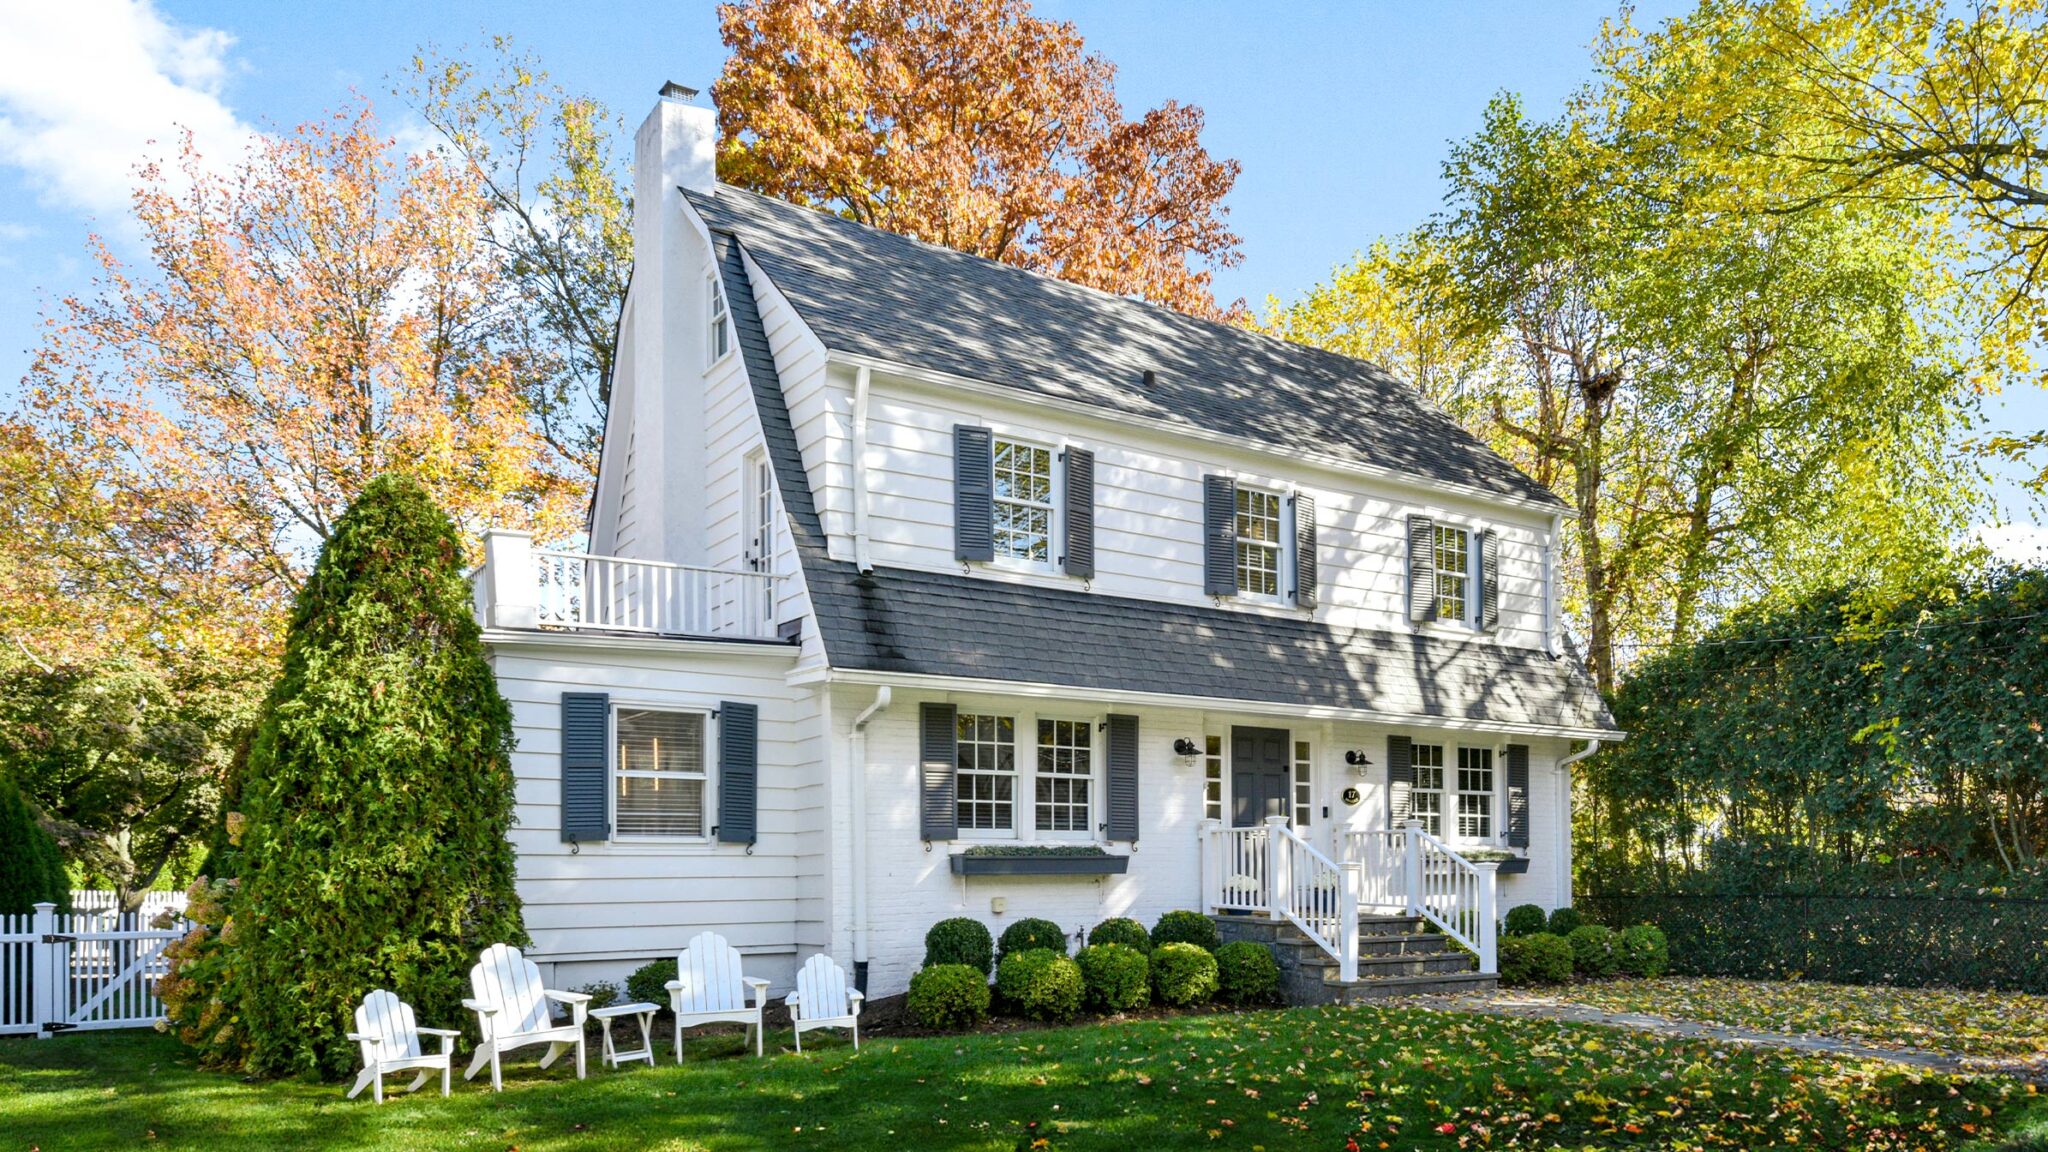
(718,339)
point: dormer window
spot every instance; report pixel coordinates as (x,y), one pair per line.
(1023,502)
(718,336)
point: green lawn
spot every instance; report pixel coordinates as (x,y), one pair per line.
(1993,1025)
(1304,1078)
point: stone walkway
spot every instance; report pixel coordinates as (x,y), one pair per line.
(1538,1007)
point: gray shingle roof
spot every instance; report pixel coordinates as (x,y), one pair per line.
(943,624)
(874,293)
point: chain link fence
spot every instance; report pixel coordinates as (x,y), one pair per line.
(1905,941)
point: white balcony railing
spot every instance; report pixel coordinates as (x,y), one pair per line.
(520,587)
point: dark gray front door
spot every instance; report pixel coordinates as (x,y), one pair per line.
(1258,775)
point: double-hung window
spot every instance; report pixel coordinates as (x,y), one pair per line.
(1023,502)
(718,335)
(1452,558)
(1260,547)
(663,788)
(985,772)
(1475,793)
(1426,796)
(1066,775)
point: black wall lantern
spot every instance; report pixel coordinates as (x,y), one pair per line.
(1186,747)
(1358,760)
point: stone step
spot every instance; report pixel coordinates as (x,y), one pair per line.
(1375,924)
(1384,988)
(1384,967)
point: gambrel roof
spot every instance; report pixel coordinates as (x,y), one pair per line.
(873,293)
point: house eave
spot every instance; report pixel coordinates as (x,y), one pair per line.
(1085,410)
(541,639)
(1115,697)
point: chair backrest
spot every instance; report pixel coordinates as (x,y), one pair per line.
(506,979)
(821,989)
(382,1014)
(709,971)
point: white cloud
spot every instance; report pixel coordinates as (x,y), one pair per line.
(2018,543)
(90,88)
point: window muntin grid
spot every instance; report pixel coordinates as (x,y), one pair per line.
(1063,787)
(1023,501)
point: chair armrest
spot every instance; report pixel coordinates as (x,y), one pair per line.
(439,1031)
(566,997)
(362,1039)
(855,998)
(757,990)
(674,985)
(793,1001)
(480,1008)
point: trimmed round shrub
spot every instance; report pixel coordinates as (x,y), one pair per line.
(1121,930)
(1030,933)
(1592,950)
(1564,921)
(1186,928)
(1114,977)
(1539,958)
(1246,973)
(1040,983)
(649,982)
(1641,950)
(961,940)
(1182,973)
(948,996)
(1524,920)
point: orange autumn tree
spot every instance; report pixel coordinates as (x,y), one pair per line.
(319,313)
(973,124)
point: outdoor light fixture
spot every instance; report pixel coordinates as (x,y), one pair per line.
(1358,760)
(1185,747)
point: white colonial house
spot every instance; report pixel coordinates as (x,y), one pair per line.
(920,586)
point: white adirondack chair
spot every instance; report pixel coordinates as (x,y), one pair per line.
(512,1012)
(710,988)
(823,1000)
(391,1043)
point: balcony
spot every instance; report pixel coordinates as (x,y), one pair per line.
(521,587)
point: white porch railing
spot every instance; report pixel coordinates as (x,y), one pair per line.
(1271,869)
(520,587)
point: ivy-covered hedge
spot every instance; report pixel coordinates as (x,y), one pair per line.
(1898,940)
(377,795)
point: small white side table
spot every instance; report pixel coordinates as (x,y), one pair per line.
(642,1009)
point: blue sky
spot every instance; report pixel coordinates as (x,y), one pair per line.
(1340,113)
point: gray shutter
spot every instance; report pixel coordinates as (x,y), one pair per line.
(1518,795)
(739,757)
(1421,569)
(1400,778)
(586,716)
(939,733)
(1219,535)
(1489,580)
(974,493)
(1080,484)
(1304,550)
(1123,778)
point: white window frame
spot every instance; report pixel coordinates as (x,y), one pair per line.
(718,338)
(1302,779)
(1213,777)
(1021,786)
(1052,505)
(1488,798)
(1091,817)
(618,772)
(1282,546)
(758,523)
(1415,787)
(1463,574)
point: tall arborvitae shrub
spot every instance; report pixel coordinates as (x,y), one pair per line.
(376,798)
(31,867)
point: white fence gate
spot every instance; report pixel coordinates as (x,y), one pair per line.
(95,968)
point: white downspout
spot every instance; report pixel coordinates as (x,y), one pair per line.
(1564,830)
(861,559)
(858,793)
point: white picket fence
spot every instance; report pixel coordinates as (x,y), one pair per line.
(96,967)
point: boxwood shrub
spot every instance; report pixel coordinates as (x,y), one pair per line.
(1032,932)
(1121,930)
(1539,958)
(1564,920)
(1524,920)
(1642,951)
(1186,928)
(1592,950)
(1246,973)
(1040,983)
(1182,973)
(1114,977)
(961,940)
(649,982)
(948,996)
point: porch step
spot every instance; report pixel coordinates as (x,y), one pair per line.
(1397,956)
(1387,987)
